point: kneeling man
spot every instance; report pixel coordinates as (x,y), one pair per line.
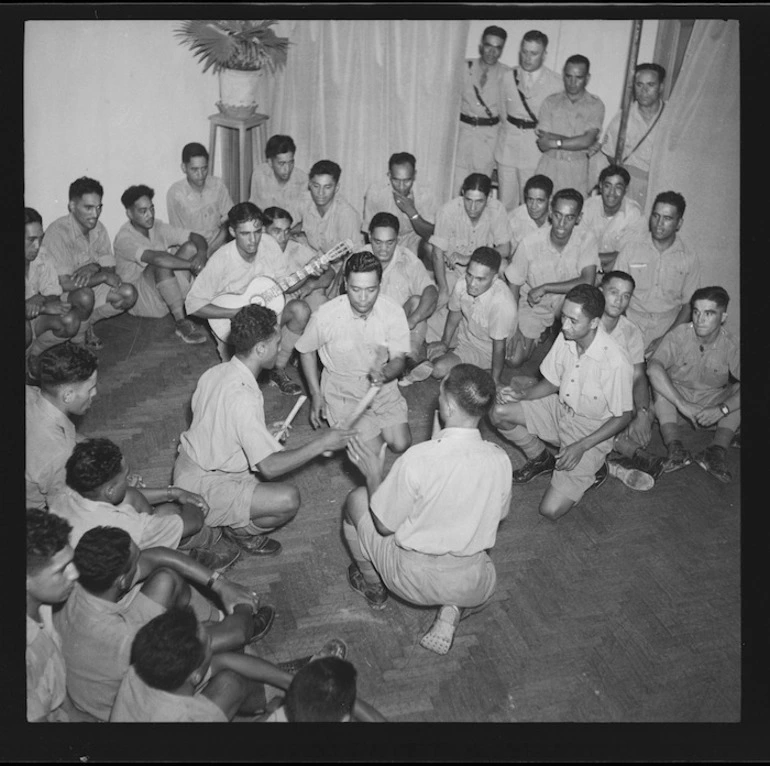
(423,531)
(584,399)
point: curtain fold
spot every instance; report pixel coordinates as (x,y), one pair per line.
(697,153)
(356,92)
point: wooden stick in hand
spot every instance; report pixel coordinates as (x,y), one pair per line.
(359,410)
(286,423)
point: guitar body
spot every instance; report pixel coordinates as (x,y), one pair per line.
(253,294)
(264,291)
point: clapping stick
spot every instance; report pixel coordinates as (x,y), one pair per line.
(366,400)
(286,423)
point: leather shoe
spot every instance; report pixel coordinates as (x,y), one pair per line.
(600,477)
(376,595)
(545,462)
(262,621)
(257,545)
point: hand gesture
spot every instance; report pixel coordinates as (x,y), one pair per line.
(135,480)
(370,464)
(231,594)
(197,263)
(112,279)
(82,276)
(690,411)
(535,295)
(640,429)
(317,410)
(33,306)
(336,438)
(708,416)
(506,394)
(569,456)
(594,148)
(404,204)
(184,498)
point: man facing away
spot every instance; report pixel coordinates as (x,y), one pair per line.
(481,106)
(569,123)
(524,91)
(695,374)
(229,456)
(665,270)
(278,182)
(199,202)
(80,250)
(230,270)
(162,279)
(582,401)
(641,129)
(412,203)
(423,531)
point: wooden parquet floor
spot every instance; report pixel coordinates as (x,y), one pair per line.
(625,610)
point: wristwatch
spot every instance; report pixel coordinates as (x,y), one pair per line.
(214,577)
(558,143)
(724,409)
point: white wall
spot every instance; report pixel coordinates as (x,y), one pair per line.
(114,100)
(605,43)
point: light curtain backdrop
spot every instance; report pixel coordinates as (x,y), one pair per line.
(357,91)
(698,154)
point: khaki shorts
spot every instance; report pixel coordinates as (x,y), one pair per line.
(342,394)
(557,424)
(228,494)
(424,579)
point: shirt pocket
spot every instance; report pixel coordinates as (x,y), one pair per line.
(593,402)
(672,279)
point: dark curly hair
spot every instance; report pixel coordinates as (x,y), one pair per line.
(66,363)
(251,325)
(92,463)
(47,534)
(102,555)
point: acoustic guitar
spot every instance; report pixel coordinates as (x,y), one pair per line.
(264,291)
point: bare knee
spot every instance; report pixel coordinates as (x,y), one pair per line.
(443,365)
(165,587)
(127,296)
(83,300)
(356,504)
(297,313)
(499,416)
(70,324)
(400,442)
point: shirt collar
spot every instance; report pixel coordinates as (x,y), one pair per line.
(243,372)
(458,433)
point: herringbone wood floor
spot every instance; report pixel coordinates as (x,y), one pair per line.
(625,610)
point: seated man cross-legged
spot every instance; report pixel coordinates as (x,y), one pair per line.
(423,531)
(695,374)
(583,400)
(228,442)
(143,251)
(120,589)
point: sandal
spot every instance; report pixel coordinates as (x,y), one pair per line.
(441,634)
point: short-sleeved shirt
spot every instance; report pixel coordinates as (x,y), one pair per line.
(486,317)
(636,127)
(296,256)
(446,495)
(491,92)
(664,281)
(404,276)
(137,702)
(538,262)
(347,342)
(455,232)
(146,530)
(69,249)
(596,385)
(199,211)
(517,147)
(50,439)
(96,642)
(130,245)
(379,199)
(560,115)
(267,192)
(521,225)
(629,337)
(697,366)
(228,431)
(228,272)
(615,231)
(42,278)
(46,674)
(341,221)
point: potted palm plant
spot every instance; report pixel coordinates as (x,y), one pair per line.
(240,52)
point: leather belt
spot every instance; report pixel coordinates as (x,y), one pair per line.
(479,120)
(522,124)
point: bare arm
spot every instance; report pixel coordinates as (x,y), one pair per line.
(577,143)
(498,358)
(452,323)
(661,383)
(570,454)
(284,461)
(640,427)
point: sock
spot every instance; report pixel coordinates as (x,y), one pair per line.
(288,341)
(351,537)
(169,290)
(530,445)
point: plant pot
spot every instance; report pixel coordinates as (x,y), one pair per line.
(240,92)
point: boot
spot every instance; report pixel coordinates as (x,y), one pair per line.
(647,462)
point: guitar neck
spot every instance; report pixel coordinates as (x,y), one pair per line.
(336,252)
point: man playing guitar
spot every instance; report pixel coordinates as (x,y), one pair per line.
(231,270)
